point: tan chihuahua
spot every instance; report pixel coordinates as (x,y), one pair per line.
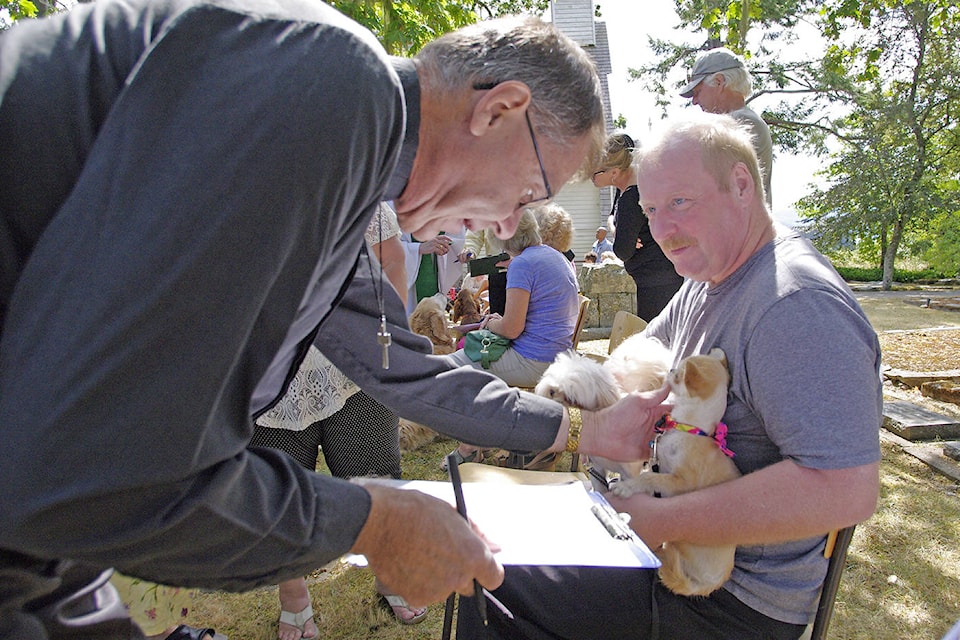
(690,453)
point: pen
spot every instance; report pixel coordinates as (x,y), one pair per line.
(454,471)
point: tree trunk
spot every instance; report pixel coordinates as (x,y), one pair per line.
(744,23)
(883,244)
(890,254)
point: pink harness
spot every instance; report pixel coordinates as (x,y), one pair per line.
(720,435)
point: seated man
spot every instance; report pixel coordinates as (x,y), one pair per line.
(803,413)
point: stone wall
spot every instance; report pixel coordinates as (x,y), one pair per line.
(610,289)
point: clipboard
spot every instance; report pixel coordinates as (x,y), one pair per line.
(546,524)
(487,266)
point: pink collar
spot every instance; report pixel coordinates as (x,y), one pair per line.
(719,436)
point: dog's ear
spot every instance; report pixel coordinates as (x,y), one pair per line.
(702,375)
(718,353)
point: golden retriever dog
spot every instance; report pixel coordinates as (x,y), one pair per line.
(689,451)
(429,319)
(414,435)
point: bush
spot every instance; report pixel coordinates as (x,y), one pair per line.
(870,274)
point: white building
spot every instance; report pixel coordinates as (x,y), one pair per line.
(588,205)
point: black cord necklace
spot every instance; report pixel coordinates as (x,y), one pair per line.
(383,336)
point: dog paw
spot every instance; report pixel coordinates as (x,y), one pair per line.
(644,483)
(624,489)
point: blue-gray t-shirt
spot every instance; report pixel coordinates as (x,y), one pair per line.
(805,386)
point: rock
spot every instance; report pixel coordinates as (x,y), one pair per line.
(917,378)
(610,289)
(913,422)
(952,450)
(942,390)
(603,278)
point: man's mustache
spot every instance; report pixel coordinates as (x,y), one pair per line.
(677,242)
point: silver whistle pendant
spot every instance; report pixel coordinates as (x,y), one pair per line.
(383,337)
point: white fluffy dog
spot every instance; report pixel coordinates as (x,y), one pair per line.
(638,364)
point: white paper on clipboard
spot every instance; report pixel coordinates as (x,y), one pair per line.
(543,525)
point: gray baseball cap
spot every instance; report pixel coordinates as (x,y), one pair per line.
(709,63)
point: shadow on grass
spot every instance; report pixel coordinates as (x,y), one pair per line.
(902,578)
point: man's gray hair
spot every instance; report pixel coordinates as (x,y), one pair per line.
(738,80)
(567,99)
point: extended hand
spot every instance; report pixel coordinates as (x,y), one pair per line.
(623,431)
(421,548)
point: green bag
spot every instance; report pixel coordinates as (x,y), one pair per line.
(485,346)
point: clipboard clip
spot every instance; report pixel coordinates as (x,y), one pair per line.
(616,524)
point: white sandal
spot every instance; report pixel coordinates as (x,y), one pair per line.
(298,620)
(400,603)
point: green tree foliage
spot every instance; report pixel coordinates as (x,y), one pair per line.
(13,10)
(894,174)
(404,27)
(944,251)
(724,23)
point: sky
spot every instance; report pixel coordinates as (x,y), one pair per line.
(628,24)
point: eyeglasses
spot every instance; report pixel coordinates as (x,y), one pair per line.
(486,86)
(543,172)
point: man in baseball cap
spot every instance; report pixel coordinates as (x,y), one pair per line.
(720,83)
(709,63)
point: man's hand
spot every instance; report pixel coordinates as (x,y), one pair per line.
(439,245)
(421,548)
(623,431)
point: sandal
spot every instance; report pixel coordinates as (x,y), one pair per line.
(183,632)
(396,602)
(298,620)
(475,456)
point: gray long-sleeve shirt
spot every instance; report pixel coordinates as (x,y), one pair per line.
(186,187)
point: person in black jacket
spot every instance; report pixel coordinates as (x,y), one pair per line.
(642,257)
(193,221)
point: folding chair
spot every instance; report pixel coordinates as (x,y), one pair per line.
(625,324)
(581,320)
(836,549)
